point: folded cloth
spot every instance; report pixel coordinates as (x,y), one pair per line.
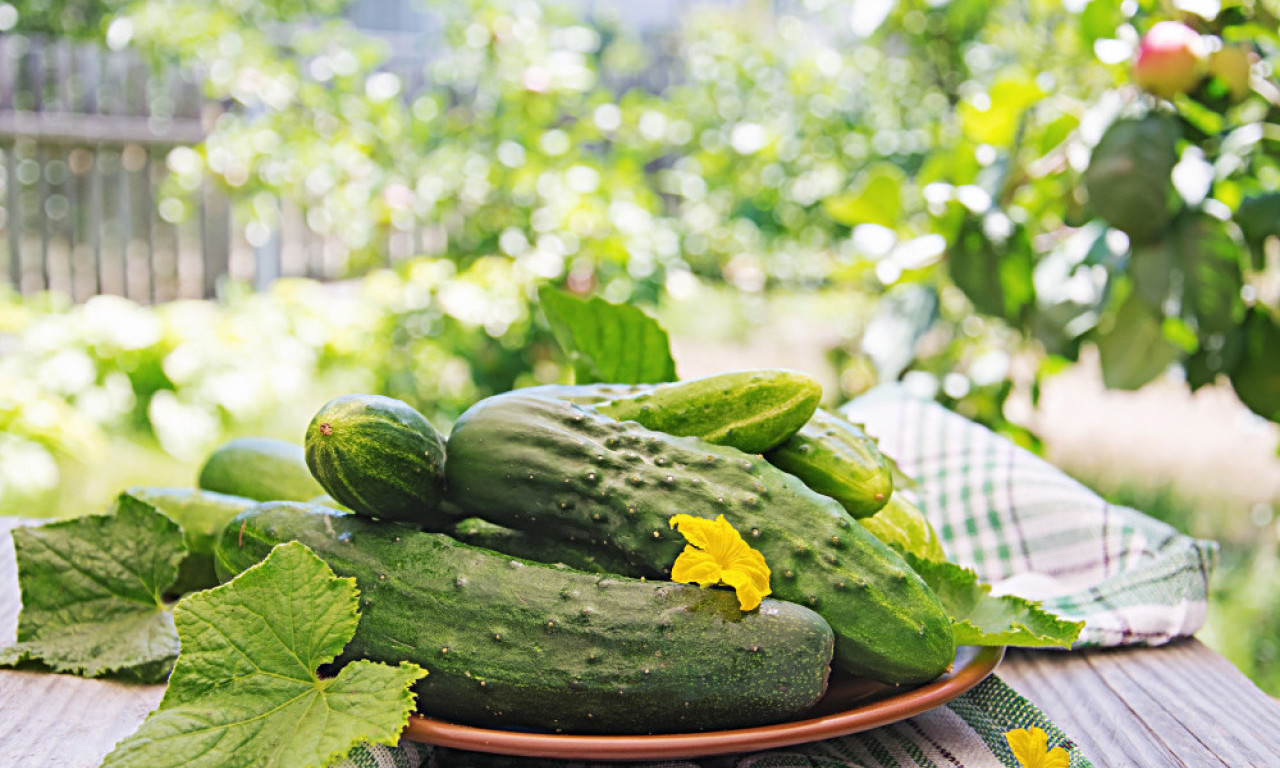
(1023,526)
(1028,529)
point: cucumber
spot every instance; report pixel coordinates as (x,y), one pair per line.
(512,643)
(202,515)
(380,458)
(587,394)
(902,525)
(259,468)
(584,556)
(557,469)
(834,457)
(752,411)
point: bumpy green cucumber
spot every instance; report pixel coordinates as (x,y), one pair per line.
(509,642)
(834,457)
(588,556)
(752,411)
(380,458)
(260,468)
(202,515)
(544,465)
(902,525)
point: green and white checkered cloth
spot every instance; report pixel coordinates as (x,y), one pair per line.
(1025,527)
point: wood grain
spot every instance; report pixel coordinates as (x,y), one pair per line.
(1176,705)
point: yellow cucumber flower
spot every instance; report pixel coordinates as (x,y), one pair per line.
(716,554)
(1031,747)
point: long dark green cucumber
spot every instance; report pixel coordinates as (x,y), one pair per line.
(202,515)
(587,394)
(508,642)
(752,411)
(584,555)
(544,465)
(834,457)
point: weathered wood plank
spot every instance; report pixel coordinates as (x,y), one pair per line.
(1177,705)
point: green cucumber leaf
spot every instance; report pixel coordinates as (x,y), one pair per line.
(92,594)
(606,342)
(980,619)
(245,691)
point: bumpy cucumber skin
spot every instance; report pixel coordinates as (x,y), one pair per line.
(552,467)
(508,642)
(584,555)
(259,468)
(202,515)
(834,457)
(752,411)
(380,458)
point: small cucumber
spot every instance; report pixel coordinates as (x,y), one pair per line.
(511,643)
(752,411)
(834,457)
(380,458)
(902,525)
(260,468)
(202,515)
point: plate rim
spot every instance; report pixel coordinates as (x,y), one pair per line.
(890,709)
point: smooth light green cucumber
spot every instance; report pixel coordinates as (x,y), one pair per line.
(202,515)
(380,458)
(834,457)
(902,525)
(752,411)
(512,643)
(557,469)
(260,468)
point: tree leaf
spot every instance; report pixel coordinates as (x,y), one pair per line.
(1134,350)
(1209,260)
(1256,378)
(245,691)
(995,275)
(1129,178)
(92,594)
(1259,218)
(877,199)
(610,343)
(980,619)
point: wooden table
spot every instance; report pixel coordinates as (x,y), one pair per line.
(1176,705)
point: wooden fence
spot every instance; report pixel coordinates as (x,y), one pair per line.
(84,138)
(84,135)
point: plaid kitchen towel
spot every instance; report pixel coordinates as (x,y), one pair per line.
(1026,528)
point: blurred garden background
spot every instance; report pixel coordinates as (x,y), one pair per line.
(1053,216)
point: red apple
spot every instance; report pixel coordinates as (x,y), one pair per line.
(1171,59)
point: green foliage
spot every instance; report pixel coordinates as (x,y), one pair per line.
(979,618)
(246,690)
(606,342)
(92,594)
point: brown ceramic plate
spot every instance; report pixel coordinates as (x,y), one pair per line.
(850,705)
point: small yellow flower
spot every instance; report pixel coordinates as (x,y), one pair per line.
(716,554)
(1031,747)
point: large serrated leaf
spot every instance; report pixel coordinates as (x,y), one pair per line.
(608,342)
(978,618)
(246,692)
(92,592)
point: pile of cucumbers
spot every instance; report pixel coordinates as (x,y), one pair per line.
(525,561)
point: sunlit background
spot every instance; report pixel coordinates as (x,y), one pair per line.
(216,216)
